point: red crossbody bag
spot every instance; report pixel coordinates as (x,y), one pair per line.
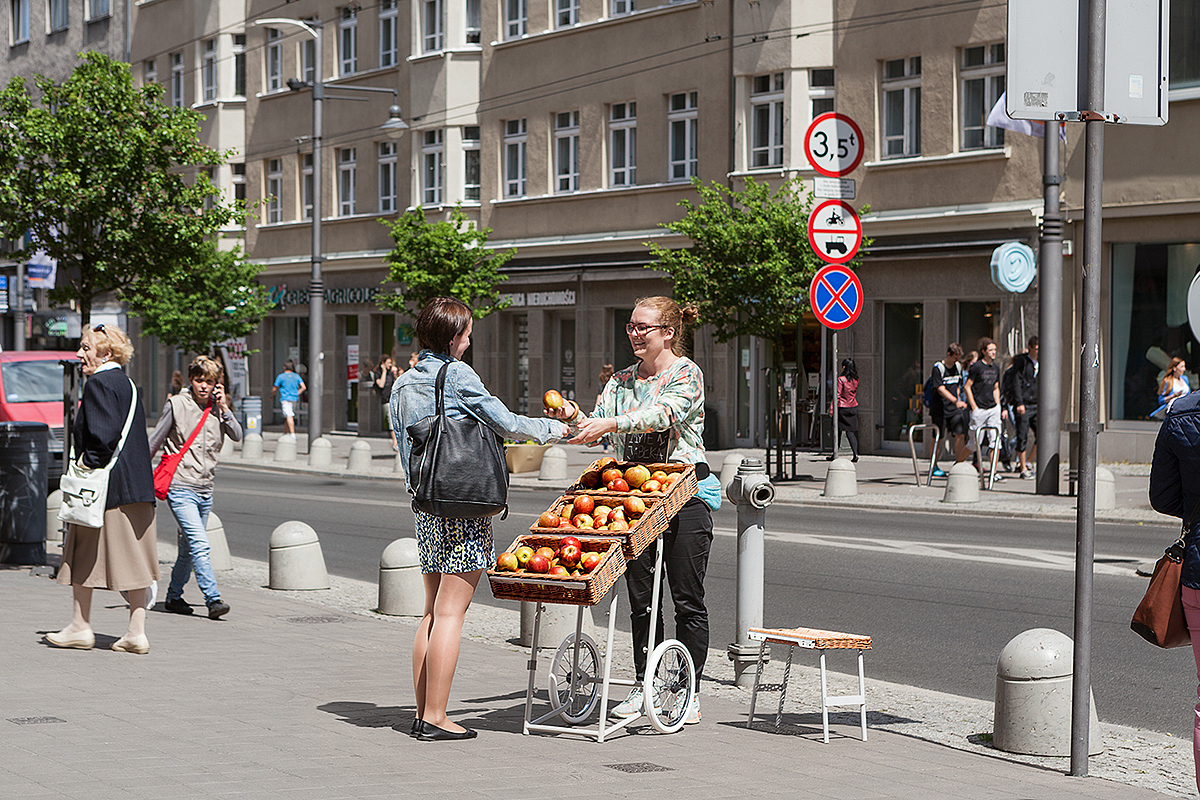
(164,473)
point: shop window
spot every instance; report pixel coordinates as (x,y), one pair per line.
(903,372)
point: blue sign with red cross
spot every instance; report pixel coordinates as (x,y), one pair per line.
(836,296)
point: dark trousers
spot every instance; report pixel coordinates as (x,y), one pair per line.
(686,545)
(1023,423)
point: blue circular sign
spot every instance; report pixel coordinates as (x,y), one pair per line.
(1014,266)
(836,296)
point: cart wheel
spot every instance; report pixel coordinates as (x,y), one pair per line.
(579,701)
(672,679)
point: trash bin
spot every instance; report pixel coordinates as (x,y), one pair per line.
(252,414)
(24,473)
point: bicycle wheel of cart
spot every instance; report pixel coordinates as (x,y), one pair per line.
(671,681)
(581,700)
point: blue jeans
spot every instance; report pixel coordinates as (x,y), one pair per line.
(191,512)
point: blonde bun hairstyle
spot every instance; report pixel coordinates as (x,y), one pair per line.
(681,319)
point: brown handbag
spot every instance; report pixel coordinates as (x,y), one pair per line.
(1159,617)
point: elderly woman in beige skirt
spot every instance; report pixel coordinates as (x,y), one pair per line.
(121,555)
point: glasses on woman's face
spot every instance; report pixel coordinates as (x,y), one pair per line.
(641,329)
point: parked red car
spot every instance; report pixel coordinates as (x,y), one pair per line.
(31,390)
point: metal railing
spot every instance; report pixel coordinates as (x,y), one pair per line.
(912,448)
(986,481)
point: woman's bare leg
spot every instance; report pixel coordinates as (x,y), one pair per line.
(421,642)
(450,604)
(137,612)
(81,610)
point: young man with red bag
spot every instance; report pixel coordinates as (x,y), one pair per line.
(192,427)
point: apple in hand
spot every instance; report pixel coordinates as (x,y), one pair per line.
(523,554)
(584,504)
(549,519)
(539,563)
(507,562)
(552,400)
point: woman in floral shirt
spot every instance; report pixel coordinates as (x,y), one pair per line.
(653,411)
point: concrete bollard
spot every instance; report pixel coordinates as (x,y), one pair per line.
(285,448)
(962,484)
(320,454)
(218,547)
(554,466)
(54,525)
(401,587)
(360,457)
(295,560)
(1106,489)
(227,447)
(558,622)
(398,465)
(841,479)
(252,446)
(1033,696)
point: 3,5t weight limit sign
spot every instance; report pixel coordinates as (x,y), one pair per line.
(834,144)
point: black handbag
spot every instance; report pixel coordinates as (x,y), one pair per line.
(456,468)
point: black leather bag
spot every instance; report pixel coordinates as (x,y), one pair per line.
(456,468)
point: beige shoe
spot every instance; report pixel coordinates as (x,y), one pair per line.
(84,640)
(138,644)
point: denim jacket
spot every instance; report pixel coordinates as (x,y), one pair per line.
(414,398)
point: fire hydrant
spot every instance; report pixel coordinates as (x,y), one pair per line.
(751,491)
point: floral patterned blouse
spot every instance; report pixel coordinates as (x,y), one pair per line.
(672,401)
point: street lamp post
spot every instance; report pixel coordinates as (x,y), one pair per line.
(395,127)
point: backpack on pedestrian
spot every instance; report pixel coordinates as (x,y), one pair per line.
(930,394)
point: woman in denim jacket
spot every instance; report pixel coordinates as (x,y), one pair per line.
(454,552)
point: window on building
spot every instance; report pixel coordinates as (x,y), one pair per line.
(348,41)
(388,46)
(238,180)
(432,163)
(150,71)
(20,21)
(275,190)
(474,21)
(766,120)
(58,15)
(620,7)
(471,152)
(387,177)
(239,65)
(433,25)
(347,180)
(902,107)
(97,9)
(1183,68)
(306,185)
(566,151)
(982,85)
(308,60)
(622,144)
(208,70)
(568,13)
(514,158)
(682,121)
(516,18)
(820,91)
(177,80)
(274,60)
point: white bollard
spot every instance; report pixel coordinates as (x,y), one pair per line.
(360,457)
(54,525)
(1106,489)
(295,560)
(962,484)
(227,447)
(841,479)
(285,448)
(218,547)
(320,454)
(252,446)
(554,466)
(401,587)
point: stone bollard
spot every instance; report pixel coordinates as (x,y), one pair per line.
(320,454)
(1033,696)
(1106,489)
(252,446)
(398,465)
(218,547)
(295,560)
(360,457)
(227,447)
(285,448)
(841,479)
(54,525)
(401,587)
(554,466)
(558,622)
(962,484)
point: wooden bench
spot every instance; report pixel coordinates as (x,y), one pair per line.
(821,641)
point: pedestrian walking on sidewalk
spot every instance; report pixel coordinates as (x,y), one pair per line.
(653,411)
(1025,403)
(121,555)
(290,386)
(954,417)
(191,493)
(1174,385)
(1175,490)
(382,378)
(453,552)
(982,388)
(847,408)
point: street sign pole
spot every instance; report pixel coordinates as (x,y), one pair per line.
(836,372)
(1050,324)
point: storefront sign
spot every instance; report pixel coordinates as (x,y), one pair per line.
(563,297)
(282,297)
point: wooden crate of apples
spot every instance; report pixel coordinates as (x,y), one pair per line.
(557,569)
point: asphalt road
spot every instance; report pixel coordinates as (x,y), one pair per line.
(940,594)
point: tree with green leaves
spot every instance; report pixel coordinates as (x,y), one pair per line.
(202,303)
(444,258)
(106,179)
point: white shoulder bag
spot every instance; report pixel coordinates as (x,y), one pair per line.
(85,490)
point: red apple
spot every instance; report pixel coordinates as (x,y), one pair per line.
(611,474)
(618,525)
(552,400)
(560,571)
(539,563)
(584,504)
(601,515)
(546,552)
(583,521)
(590,561)
(568,555)
(523,554)
(549,519)
(507,562)
(566,511)
(634,506)
(671,480)
(618,513)
(636,475)
(651,485)
(566,540)
(605,462)
(618,485)
(590,479)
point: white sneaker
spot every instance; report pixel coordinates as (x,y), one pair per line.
(693,711)
(631,706)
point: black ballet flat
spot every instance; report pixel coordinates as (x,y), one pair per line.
(427,732)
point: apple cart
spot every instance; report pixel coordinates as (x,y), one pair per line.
(580,678)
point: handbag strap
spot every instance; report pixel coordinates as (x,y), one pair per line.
(124,430)
(192,438)
(441,390)
(1175,550)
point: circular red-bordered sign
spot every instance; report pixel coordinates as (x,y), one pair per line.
(835,231)
(834,144)
(836,296)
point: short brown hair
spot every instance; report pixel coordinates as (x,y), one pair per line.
(442,319)
(985,343)
(955,349)
(109,340)
(205,368)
